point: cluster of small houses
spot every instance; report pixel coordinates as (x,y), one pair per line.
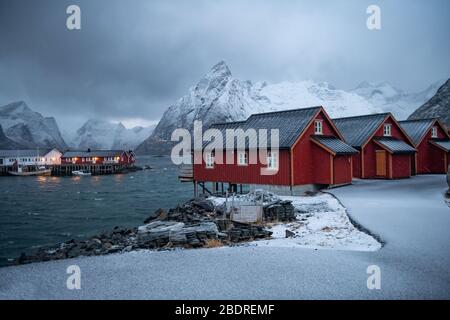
(64,162)
(316,151)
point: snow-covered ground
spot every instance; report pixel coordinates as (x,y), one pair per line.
(409,215)
(322,223)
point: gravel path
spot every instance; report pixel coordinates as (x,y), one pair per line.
(409,215)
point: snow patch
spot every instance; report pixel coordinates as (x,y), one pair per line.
(321,223)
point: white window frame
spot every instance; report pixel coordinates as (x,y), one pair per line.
(434,132)
(209,162)
(387,130)
(242,155)
(272,160)
(318,127)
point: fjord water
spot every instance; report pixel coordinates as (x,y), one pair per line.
(42,211)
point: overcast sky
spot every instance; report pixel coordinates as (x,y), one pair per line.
(132,59)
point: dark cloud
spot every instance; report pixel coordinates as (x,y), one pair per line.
(134,58)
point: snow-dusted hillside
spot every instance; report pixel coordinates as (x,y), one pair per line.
(391,99)
(101,134)
(437,107)
(29,128)
(219,97)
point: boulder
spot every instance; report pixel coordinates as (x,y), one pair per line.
(159,214)
(204,204)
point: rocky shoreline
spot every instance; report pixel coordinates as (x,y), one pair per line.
(195,224)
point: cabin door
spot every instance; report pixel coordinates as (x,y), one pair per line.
(381,163)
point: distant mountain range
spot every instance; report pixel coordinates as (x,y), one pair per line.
(392,99)
(29,129)
(100,134)
(219,97)
(21,127)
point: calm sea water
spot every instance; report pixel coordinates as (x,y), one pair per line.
(40,211)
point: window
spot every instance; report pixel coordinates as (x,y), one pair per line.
(242,158)
(209,160)
(434,132)
(387,132)
(318,127)
(272,160)
(1,161)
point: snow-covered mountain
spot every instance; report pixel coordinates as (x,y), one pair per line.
(392,99)
(101,134)
(6,143)
(219,97)
(29,128)
(436,107)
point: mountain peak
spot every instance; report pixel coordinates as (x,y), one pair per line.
(220,69)
(16,107)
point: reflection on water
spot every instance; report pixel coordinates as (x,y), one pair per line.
(37,211)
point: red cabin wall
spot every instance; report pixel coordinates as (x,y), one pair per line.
(124,159)
(431,159)
(320,166)
(311,165)
(401,166)
(370,155)
(357,165)
(342,169)
(311,162)
(249,174)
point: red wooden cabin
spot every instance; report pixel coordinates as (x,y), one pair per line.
(432,142)
(385,150)
(311,152)
(98,157)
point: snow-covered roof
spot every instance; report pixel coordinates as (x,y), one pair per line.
(24,153)
(290,123)
(334,145)
(357,130)
(394,145)
(417,129)
(442,143)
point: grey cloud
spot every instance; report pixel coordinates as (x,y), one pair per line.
(132,59)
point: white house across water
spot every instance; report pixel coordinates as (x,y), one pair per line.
(31,157)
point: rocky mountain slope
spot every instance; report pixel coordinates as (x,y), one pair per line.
(219,97)
(101,134)
(6,143)
(29,128)
(392,99)
(437,106)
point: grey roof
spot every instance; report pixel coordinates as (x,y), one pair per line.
(395,145)
(416,129)
(357,130)
(92,153)
(334,144)
(442,143)
(24,153)
(290,123)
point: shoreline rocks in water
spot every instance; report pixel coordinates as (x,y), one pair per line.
(192,225)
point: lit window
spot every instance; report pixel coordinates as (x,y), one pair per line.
(209,160)
(242,158)
(387,132)
(434,132)
(272,160)
(318,127)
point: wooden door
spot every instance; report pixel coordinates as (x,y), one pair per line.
(381,163)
